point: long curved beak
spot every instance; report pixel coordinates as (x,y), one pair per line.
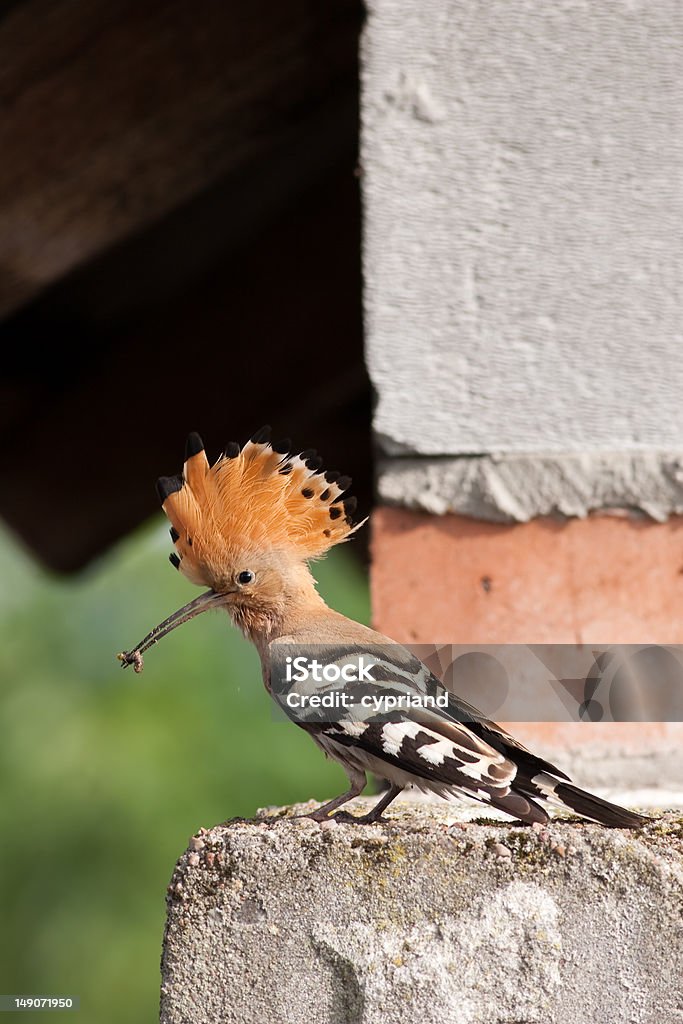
(203,603)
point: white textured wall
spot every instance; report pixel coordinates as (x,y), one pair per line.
(522,173)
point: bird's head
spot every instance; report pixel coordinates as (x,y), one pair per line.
(246,528)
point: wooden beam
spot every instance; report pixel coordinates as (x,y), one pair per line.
(117,112)
(97,395)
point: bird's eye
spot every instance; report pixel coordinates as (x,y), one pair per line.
(246,576)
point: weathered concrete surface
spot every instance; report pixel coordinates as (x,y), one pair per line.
(425,919)
(522,165)
(509,488)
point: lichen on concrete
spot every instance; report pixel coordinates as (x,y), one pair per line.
(425,917)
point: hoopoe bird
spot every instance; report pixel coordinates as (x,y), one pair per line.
(247,527)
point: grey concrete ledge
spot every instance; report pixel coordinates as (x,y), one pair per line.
(517,488)
(426,918)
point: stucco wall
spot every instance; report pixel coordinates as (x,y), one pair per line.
(523,190)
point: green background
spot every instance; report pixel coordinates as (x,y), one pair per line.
(106,774)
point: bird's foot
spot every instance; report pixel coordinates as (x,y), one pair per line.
(359,819)
(343,816)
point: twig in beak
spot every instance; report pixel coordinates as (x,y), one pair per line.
(203,603)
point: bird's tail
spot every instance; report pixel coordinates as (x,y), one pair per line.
(586,804)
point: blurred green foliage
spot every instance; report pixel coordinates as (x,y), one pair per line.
(105,774)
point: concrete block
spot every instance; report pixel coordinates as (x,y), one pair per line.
(522,165)
(425,918)
(517,488)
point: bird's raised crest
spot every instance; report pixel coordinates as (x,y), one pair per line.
(260,495)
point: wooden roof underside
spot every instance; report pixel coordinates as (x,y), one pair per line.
(179,249)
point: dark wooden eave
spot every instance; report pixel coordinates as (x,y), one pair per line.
(179,249)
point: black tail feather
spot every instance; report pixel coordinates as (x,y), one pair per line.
(598,810)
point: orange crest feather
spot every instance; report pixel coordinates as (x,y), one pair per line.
(260,496)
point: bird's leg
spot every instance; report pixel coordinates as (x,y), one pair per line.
(358,782)
(376,813)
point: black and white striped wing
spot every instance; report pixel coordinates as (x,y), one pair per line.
(444,750)
(448,750)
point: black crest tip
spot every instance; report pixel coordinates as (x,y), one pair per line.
(174,534)
(232,450)
(261,436)
(307,453)
(343,483)
(168,485)
(282,447)
(174,560)
(193,446)
(350,505)
(332,476)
